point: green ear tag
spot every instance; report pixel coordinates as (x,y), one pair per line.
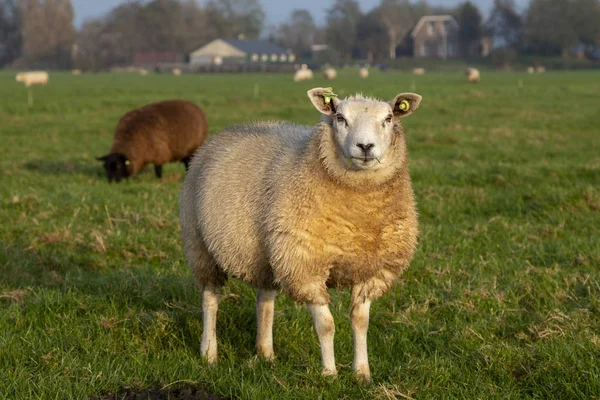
(127,162)
(327,96)
(404,105)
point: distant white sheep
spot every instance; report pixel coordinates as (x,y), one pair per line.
(33,78)
(330,73)
(303,74)
(76,72)
(530,70)
(541,69)
(143,72)
(418,71)
(363,73)
(473,75)
(176,71)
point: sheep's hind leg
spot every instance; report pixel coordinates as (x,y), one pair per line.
(265,308)
(360,324)
(210,305)
(325,328)
(158,171)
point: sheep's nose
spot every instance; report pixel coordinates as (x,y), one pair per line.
(366,148)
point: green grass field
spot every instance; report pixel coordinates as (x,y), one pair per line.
(502,299)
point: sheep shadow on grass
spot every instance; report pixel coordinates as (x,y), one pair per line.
(94,169)
(66,167)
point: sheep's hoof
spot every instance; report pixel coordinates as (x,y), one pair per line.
(266,354)
(328,372)
(363,374)
(210,357)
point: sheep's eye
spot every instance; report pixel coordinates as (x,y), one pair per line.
(388,120)
(341,120)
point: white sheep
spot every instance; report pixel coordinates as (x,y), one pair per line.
(530,70)
(303,74)
(33,78)
(301,209)
(76,72)
(363,73)
(540,69)
(176,71)
(330,73)
(473,75)
(418,71)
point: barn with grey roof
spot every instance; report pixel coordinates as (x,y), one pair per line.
(237,51)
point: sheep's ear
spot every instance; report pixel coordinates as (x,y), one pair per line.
(404,104)
(324,100)
(103,158)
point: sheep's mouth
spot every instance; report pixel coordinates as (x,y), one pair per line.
(363,162)
(366,160)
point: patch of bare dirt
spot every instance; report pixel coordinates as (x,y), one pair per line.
(170,393)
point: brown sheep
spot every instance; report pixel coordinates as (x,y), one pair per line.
(157,133)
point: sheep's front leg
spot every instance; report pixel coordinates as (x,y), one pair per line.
(265,308)
(360,324)
(325,328)
(210,305)
(158,171)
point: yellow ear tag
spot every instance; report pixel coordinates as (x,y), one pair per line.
(327,96)
(127,162)
(404,105)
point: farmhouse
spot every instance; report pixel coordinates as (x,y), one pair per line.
(435,36)
(239,51)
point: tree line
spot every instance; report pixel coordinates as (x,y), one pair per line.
(41,33)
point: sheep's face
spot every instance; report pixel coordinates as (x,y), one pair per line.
(363,131)
(363,128)
(116,166)
(20,77)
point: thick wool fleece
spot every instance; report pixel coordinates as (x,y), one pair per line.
(268,204)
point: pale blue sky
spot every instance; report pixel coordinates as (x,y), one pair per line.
(276,10)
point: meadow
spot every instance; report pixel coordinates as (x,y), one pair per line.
(502,299)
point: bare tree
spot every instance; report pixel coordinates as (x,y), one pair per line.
(505,23)
(298,34)
(552,26)
(10,31)
(397,18)
(372,37)
(471,30)
(48,32)
(135,27)
(342,21)
(233,18)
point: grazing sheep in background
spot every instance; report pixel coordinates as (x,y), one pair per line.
(301,209)
(157,133)
(176,72)
(363,73)
(541,69)
(143,72)
(330,73)
(33,78)
(303,74)
(75,72)
(473,75)
(418,71)
(530,70)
